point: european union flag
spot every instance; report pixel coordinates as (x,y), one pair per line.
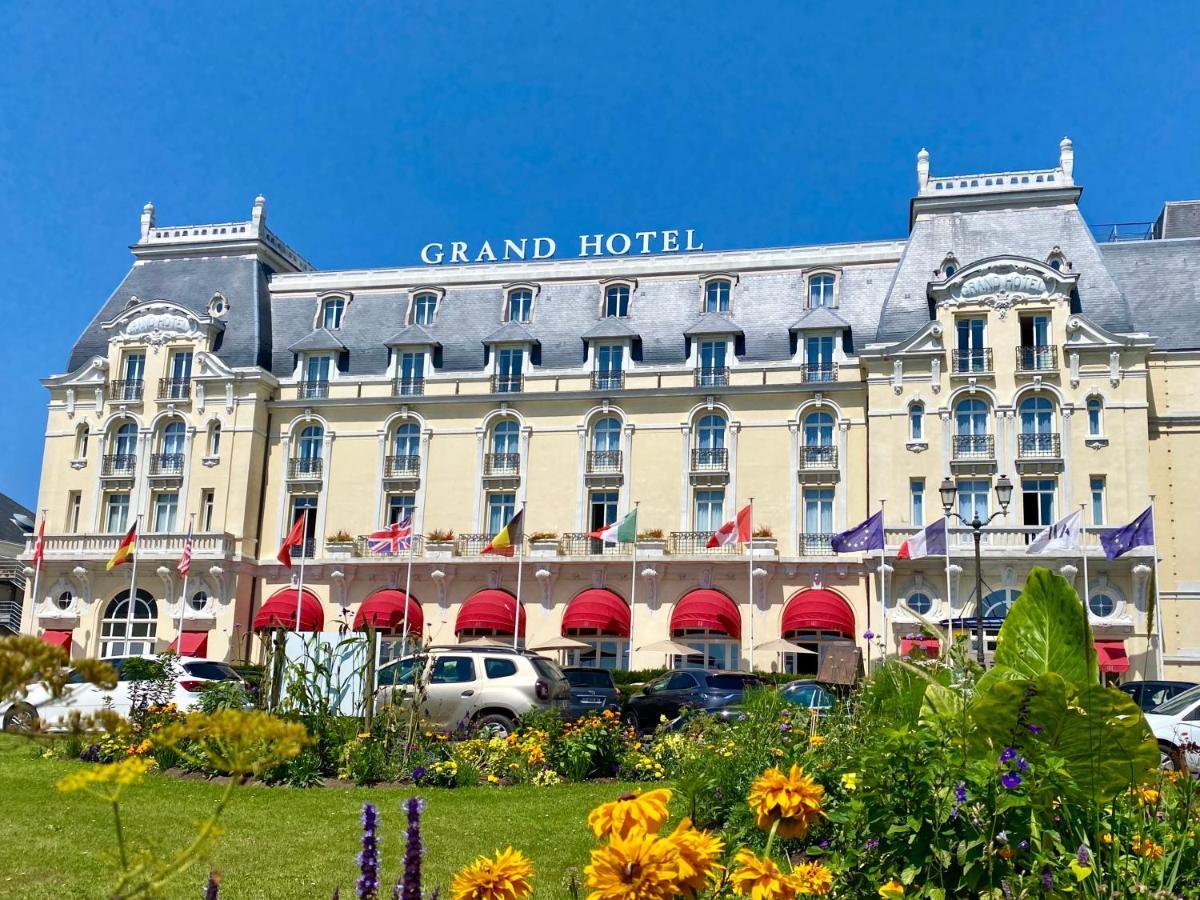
(1138,533)
(867,536)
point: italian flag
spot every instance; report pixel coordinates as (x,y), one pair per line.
(623,531)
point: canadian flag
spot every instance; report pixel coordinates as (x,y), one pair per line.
(734,531)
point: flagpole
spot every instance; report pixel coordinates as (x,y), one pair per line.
(633,586)
(412,539)
(949,597)
(137,533)
(303,556)
(1083,552)
(39,553)
(1159,662)
(520,564)
(883,616)
(183,596)
(750,581)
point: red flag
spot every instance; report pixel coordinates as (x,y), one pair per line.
(735,530)
(39,546)
(295,538)
(185,561)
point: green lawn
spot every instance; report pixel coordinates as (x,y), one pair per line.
(279,842)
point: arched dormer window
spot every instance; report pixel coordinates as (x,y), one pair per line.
(1095,416)
(717,292)
(1057,260)
(333,309)
(424,308)
(518,305)
(916,421)
(821,290)
(616,301)
(949,267)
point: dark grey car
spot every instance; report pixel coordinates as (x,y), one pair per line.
(592,690)
(667,695)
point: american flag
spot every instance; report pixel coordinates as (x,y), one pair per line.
(185,561)
(393,539)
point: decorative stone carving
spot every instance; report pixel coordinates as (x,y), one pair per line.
(1001,284)
(1068,572)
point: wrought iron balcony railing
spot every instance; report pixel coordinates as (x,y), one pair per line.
(608,381)
(710,376)
(118,464)
(304,467)
(127,390)
(408,387)
(582,544)
(814,544)
(820,457)
(603,461)
(692,542)
(1038,446)
(1037,359)
(967,361)
(818,373)
(710,459)
(406,465)
(508,384)
(974,446)
(471,544)
(362,549)
(501,463)
(166,463)
(314,390)
(174,388)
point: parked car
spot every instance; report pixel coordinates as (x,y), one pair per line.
(1176,725)
(668,694)
(808,694)
(484,689)
(592,690)
(1149,694)
(193,676)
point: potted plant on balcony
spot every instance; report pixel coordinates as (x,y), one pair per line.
(763,541)
(439,543)
(651,542)
(543,543)
(339,545)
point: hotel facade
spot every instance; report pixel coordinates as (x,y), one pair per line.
(229,385)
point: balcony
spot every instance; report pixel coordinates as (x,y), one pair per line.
(973,454)
(471,544)
(306,549)
(819,458)
(127,391)
(118,465)
(304,468)
(166,464)
(408,387)
(406,466)
(501,464)
(361,549)
(157,545)
(819,373)
(708,376)
(1037,359)
(604,462)
(313,390)
(814,544)
(971,362)
(581,544)
(692,543)
(175,389)
(508,384)
(710,459)
(1038,446)
(608,381)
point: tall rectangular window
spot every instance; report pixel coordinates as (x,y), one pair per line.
(602,509)
(710,510)
(616,300)
(116,513)
(509,364)
(1097,489)
(181,365)
(299,506)
(971,351)
(710,359)
(135,366)
(400,507)
(520,305)
(916,488)
(818,511)
(206,510)
(424,309)
(1035,331)
(716,296)
(973,499)
(1037,501)
(317,368)
(412,372)
(500,508)
(74,501)
(166,507)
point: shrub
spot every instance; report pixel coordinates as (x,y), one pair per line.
(440,535)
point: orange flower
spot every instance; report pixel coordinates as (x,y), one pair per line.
(760,879)
(812,879)
(631,814)
(793,800)
(698,855)
(507,876)
(639,867)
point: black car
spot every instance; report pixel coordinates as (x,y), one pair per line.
(808,694)
(1149,694)
(668,694)
(592,690)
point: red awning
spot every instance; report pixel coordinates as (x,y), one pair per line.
(707,609)
(280,611)
(385,609)
(489,610)
(818,610)
(598,609)
(58,639)
(1111,656)
(195,643)
(931,647)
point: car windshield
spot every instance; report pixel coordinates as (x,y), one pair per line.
(400,672)
(591,678)
(1179,703)
(727,682)
(547,668)
(213,671)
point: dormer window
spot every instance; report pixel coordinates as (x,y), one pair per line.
(948,267)
(716,295)
(821,290)
(616,301)
(424,308)
(1057,260)
(332,311)
(519,307)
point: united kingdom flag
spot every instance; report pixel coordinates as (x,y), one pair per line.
(393,539)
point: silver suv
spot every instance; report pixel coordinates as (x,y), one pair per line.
(481,689)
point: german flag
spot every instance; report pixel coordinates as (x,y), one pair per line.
(508,537)
(125,549)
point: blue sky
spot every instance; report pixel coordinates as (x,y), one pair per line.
(375,128)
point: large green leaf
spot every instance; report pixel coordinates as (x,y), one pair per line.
(1045,631)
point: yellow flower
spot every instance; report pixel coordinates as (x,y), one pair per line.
(1147,848)
(698,855)
(816,740)
(760,879)
(119,775)
(492,779)
(363,735)
(507,876)
(893,890)
(631,814)
(792,800)
(812,879)
(1146,795)
(1106,838)
(638,867)
(850,781)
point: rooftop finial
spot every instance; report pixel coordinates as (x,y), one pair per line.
(259,214)
(1066,158)
(147,220)
(922,169)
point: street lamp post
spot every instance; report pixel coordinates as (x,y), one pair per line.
(948,490)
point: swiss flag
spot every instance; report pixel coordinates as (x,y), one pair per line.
(295,538)
(734,531)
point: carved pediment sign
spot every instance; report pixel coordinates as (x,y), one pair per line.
(1003,282)
(157,322)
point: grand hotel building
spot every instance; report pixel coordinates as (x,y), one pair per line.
(228,378)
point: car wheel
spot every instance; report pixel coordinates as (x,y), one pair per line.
(493,725)
(1169,757)
(20,718)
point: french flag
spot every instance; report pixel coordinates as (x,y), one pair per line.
(929,541)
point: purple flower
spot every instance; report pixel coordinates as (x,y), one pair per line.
(824,845)
(1083,856)
(409,887)
(960,792)
(872,844)
(1010,780)
(1008,755)
(1001,837)
(1034,729)
(418,773)
(213,887)
(1024,845)
(785,727)
(1022,764)
(368,860)
(868,635)
(1047,879)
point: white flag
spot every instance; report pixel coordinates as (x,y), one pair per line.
(1061,536)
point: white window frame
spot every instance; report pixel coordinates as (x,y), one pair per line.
(834,290)
(509,291)
(438,295)
(322,300)
(707,280)
(616,284)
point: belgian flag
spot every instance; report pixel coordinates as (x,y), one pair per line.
(508,537)
(125,549)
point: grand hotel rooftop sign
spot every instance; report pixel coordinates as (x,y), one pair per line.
(669,240)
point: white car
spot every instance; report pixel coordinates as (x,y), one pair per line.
(1176,725)
(193,677)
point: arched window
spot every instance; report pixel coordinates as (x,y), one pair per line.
(505,436)
(214,439)
(1095,422)
(949,270)
(173,439)
(710,432)
(716,295)
(1102,605)
(406,441)
(818,430)
(520,305)
(971,418)
(997,604)
(616,300)
(424,308)
(916,422)
(1037,416)
(311,439)
(606,435)
(820,291)
(332,311)
(128,629)
(122,452)
(81,440)
(920,603)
